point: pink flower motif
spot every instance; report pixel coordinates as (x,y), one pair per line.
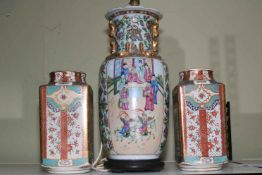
(77,134)
(194,139)
(75,143)
(63,96)
(217,132)
(214,113)
(52,129)
(52,152)
(191,127)
(75,115)
(201,95)
(69,148)
(192,117)
(215,140)
(53,119)
(50,137)
(217,149)
(210,145)
(190,135)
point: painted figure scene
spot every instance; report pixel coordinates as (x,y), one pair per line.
(136,100)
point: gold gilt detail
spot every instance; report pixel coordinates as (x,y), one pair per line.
(112,35)
(112,29)
(131,49)
(113,46)
(140,53)
(155,33)
(155,29)
(131,52)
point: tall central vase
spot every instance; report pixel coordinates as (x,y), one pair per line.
(134,91)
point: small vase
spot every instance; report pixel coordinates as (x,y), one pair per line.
(134,92)
(200,121)
(66,123)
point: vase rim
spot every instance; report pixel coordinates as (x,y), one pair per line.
(66,76)
(132,10)
(196,69)
(68,71)
(196,74)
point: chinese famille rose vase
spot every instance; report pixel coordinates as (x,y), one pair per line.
(66,121)
(134,92)
(200,121)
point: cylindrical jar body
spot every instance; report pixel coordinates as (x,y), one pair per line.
(133,101)
(66,106)
(200,121)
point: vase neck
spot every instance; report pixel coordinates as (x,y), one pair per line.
(134,34)
(64,77)
(196,74)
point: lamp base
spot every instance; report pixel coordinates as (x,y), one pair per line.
(119,166)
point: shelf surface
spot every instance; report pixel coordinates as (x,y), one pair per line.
(170,169)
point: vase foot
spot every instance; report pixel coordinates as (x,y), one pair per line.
(119,166)
(67,170)
(200,167)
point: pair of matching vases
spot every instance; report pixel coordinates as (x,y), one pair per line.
(133,107)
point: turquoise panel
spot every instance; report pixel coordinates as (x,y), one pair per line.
(51,89)
(74,102)
(76,89)
(54,162)
(51,101)
(79,162)
(220,159)
(195,159)
(213,87)
(190,88)
(72,107)
(50,162)
(212,100)
(192,101)
(191,159)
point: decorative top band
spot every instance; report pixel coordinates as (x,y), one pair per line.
(150,12)
(196,74)
(138,54)
(133,8)
(67,77)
